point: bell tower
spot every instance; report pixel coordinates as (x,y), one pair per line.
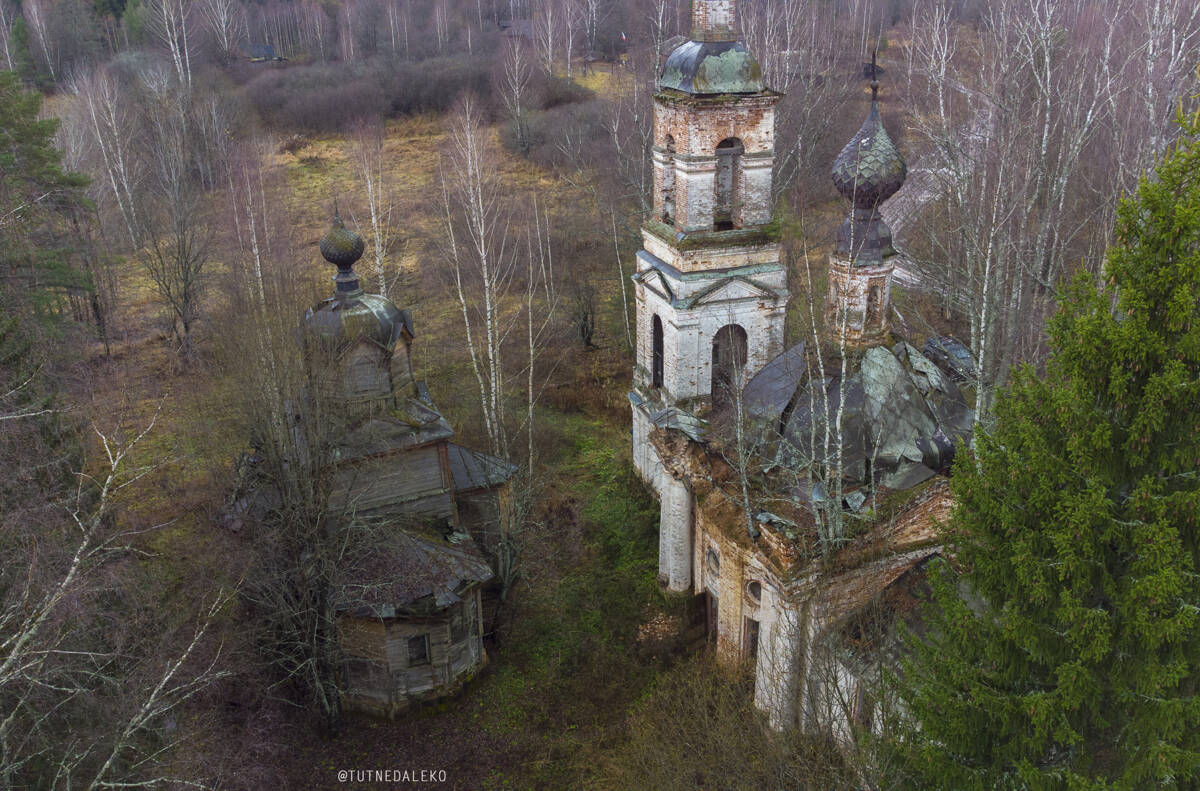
(710,287)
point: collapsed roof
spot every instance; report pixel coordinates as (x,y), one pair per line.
(896,411)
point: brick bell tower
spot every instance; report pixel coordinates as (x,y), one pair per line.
(710,287)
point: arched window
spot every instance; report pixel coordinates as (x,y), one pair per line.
(874,304)
(726,202)
(729,350)
(656,353)
(668,180)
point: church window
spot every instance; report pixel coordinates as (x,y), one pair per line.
(726,203)
(729,351)
(656,353)
(874,303)
(668,180)
(418,650)
(713,561)
(754,592)
(750,638)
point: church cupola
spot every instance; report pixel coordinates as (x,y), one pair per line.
(355,334)
(867,172)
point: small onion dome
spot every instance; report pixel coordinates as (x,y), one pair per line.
(711,67)
(867,172)
(350,314)
(870,169)
(342,247)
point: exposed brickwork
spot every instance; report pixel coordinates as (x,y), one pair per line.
(687,131)
(859,300)
(803,594)
(714,20)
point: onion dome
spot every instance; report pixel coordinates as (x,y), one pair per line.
(350,314)
(867,172)
(342,248)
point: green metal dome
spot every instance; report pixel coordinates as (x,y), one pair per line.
(711,67)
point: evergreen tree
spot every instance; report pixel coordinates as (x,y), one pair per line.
(42,207)
(1066,654)
(22,55)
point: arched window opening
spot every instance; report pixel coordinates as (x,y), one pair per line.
(727,201)
(656,353)
(668,180)
(729,351)
(874,303)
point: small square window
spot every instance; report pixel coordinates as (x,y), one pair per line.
(418,650)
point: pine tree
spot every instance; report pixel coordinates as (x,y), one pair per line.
(1066,653)
(41,207)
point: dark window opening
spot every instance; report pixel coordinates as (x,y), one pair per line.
(754,591)
(727,184)
(729,352)
(714,562)
(750,643)
(656,353)
(462,621)
(874,304)
(418,650)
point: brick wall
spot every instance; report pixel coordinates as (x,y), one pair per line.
(714,20)
(686,134)
(864,295)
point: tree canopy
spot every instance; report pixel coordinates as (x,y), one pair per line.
(1065,654)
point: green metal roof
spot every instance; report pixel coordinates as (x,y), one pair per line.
(712,67)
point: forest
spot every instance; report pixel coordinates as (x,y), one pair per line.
(168,172)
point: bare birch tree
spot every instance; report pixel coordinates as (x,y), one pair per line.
(369,157)
(170,20)
(477,235)
(226,20)
(516,72)
(546,23)
(36,14)
(113,132)
(1027,145)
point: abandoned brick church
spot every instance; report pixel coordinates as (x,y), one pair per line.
(799,487)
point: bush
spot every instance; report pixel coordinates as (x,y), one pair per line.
(331,97)
(545,132)
(551,91)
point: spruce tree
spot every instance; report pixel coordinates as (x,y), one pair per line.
(1063,640)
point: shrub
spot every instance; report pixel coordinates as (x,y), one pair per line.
(331,97)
